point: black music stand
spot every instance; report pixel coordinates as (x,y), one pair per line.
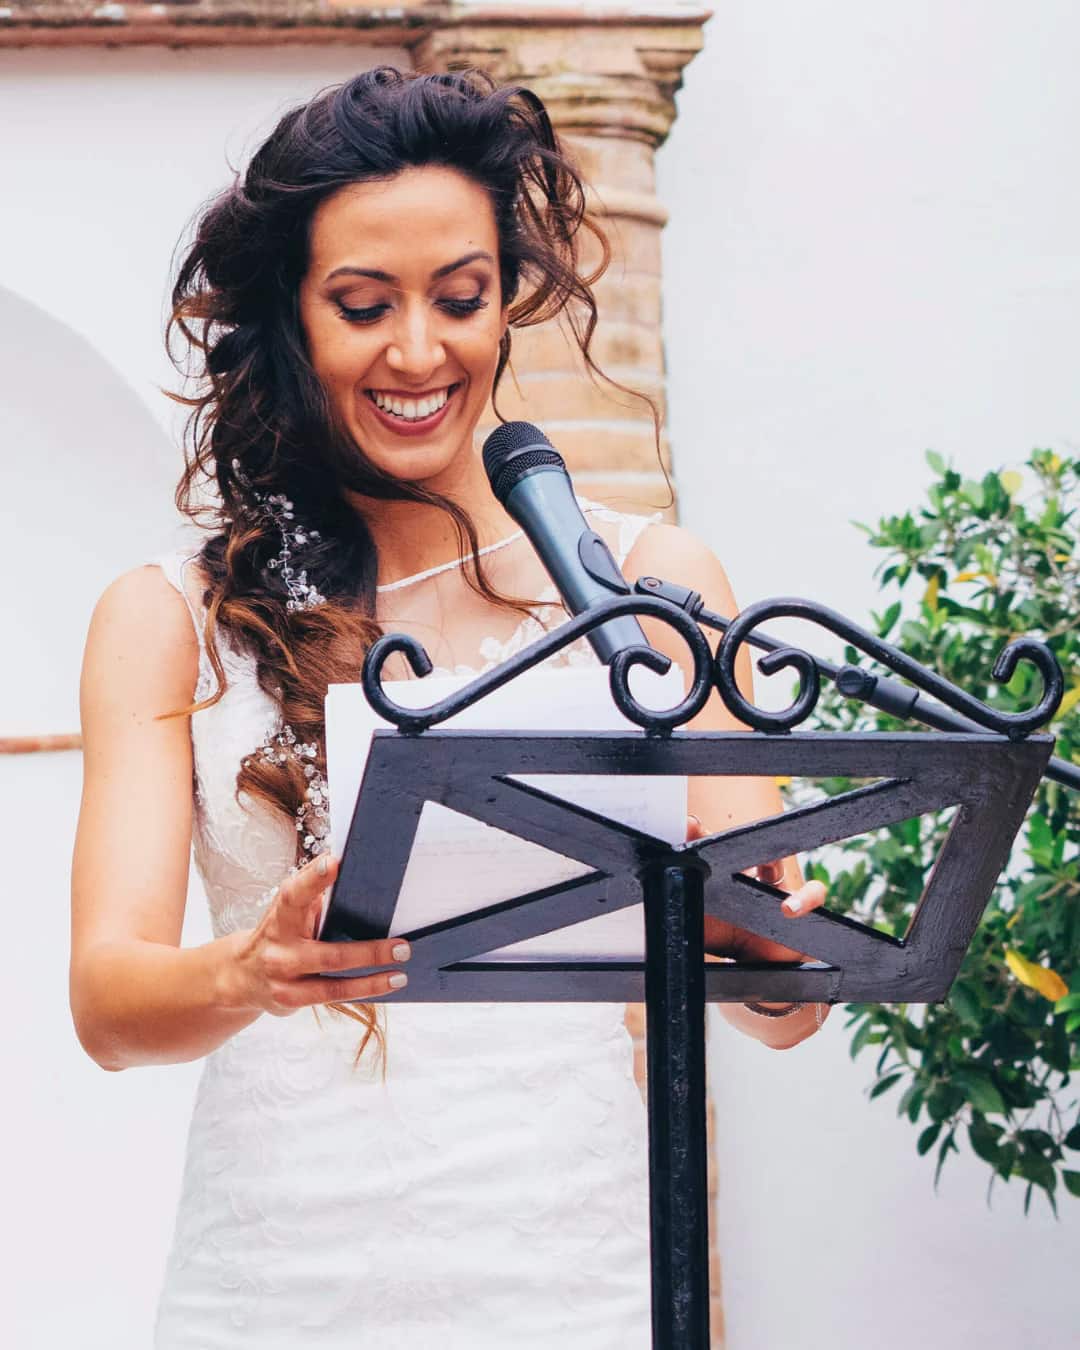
(989,777)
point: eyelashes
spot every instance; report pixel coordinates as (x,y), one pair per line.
(460,309)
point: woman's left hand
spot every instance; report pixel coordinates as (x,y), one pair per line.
(726,939)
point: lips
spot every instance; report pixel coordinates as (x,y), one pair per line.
(417,426)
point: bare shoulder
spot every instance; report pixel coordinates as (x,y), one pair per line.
(677,555)
(141,648)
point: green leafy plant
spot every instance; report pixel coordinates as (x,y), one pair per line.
(983,562)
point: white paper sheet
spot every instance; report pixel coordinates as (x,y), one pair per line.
(459,864)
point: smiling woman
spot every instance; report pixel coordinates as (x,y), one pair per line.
(349,303)
(408,357)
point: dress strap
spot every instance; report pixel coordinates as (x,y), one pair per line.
(631,527)
(174,566)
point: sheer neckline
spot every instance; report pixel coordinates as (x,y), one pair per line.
(447,566)
(402,582)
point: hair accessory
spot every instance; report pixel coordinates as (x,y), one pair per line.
(279,511)
(313,813)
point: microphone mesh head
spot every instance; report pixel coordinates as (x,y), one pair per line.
(511,450)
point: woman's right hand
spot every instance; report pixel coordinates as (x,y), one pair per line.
(276,967)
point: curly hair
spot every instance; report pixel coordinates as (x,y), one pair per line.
(261,423)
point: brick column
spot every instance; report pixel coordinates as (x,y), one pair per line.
(609,85)
(609,82)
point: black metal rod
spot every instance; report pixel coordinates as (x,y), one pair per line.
(678,1157)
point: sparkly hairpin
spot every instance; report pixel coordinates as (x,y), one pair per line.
(313,813)
(279,510)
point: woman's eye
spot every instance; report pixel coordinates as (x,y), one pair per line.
(460,308)
(366,315)
(464,306)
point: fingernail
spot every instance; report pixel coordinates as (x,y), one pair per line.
(792,905)
(324,867)
(399,980)
(400,951)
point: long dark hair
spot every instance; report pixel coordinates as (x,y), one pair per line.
(261,424)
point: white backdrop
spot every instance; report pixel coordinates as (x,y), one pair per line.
(872,250)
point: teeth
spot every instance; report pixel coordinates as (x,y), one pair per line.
(409,408)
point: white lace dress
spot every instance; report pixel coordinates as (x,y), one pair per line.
(490,1192)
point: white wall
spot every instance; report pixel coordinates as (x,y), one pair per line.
(874,249)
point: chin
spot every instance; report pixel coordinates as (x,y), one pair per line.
(414,463)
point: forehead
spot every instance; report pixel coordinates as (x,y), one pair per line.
(413,222)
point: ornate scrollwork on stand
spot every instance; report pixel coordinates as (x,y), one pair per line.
(719,672)
(1014,725)
(656,722)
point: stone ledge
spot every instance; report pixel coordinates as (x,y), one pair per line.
(248,22)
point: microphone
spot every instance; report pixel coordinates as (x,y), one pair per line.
(529,478)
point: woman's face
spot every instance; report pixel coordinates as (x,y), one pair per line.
(402,310)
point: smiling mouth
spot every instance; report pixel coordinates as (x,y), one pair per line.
(411,410)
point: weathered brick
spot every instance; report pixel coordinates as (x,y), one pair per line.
(539,396)
(616,347)
(595,449)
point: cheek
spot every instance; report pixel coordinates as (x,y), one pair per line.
(484,350)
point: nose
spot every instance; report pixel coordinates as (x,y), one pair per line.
(416,350)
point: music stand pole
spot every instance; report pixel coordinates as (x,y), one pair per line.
(675,1061)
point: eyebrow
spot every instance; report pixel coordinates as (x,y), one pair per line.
(388,277)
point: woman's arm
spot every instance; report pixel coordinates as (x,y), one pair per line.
(721,803)
(137,997)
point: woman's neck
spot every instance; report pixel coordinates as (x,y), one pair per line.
(411,537)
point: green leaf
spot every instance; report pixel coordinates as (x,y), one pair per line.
(1034,1167)
(884,1084)
(966,1004)
(1072,1139)
(936,462)
(928,1138)
(911,1103)
(861,1037)
(984,1140)
(888,619)
(948,1146)
(1072,1182)
(973,492)
(980,1091)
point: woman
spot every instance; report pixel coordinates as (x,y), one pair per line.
(350,303)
